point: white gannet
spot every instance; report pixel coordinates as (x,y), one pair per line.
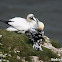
(21,24)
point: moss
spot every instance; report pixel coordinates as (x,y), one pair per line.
(12,41)
(56,44)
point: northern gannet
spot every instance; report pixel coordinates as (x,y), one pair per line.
(21,24)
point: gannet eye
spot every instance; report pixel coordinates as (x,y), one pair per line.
(31,18)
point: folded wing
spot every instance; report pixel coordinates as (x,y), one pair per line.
(19,23)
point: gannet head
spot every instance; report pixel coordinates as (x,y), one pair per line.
(40,26)
(31,18)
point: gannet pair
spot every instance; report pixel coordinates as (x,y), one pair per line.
(21,25)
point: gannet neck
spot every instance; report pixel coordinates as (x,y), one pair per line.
(32,25)
(32,22)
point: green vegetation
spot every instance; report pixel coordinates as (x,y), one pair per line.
(13,42)
(56,44)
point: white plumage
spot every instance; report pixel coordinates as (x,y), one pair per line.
(21,24)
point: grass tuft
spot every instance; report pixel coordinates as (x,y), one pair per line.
(56,44)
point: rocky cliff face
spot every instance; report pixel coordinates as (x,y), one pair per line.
(15,51)
(48,45)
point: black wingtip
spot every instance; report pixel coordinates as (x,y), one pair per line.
(5,21)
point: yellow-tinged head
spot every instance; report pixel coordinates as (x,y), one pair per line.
(40,26)
(31,18)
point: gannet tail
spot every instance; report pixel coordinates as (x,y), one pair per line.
(5,21)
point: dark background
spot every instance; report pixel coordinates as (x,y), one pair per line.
(47,11)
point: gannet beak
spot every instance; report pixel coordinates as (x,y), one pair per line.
(34,19)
